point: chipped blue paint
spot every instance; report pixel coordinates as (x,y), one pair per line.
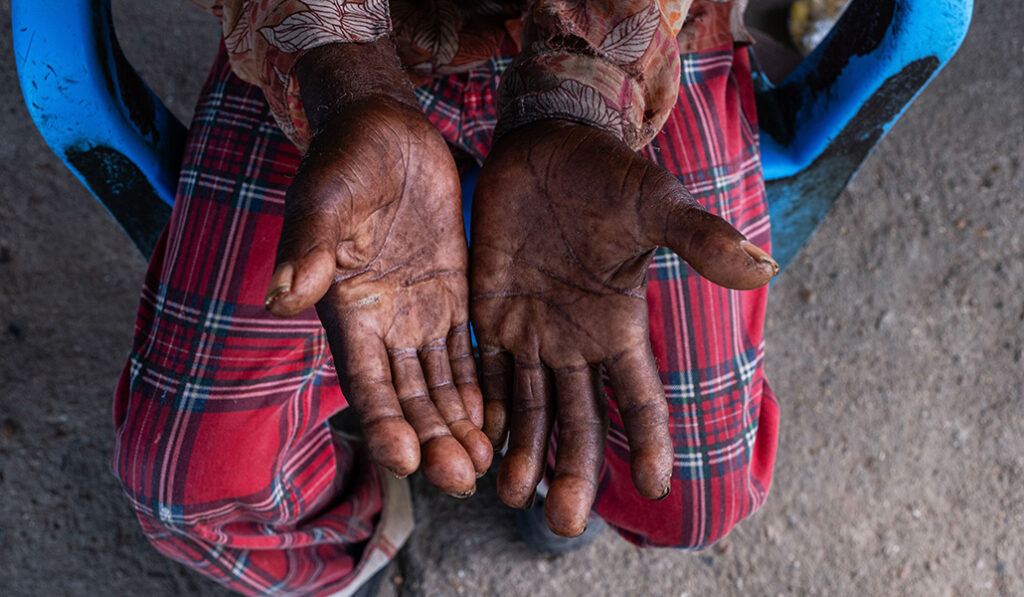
(80,97)
(823,120)
(917,30)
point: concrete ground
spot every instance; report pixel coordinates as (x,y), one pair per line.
(894,344)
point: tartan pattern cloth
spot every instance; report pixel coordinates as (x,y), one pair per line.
(223,446)
(707,340)
(463,106)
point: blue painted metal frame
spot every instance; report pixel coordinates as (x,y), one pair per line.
(95,112)
(823,120)
(817,126)
(874,41)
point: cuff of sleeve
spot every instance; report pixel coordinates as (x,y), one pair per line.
(278,38)
(624,82)
(590,91)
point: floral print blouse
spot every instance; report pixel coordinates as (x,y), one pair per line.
(612,64)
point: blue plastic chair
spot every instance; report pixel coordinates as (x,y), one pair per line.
(817,126)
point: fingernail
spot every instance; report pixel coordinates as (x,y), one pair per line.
(280,283)
(396,475)
(664,495)
(464,494)
(759,255)
(530,502)
(481,474)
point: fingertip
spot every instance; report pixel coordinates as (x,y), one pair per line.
(762,259)
(394,445)
(567,507)
(738,265)
(516,486)
(280,284)
(447,466)
(651,471)
(496,424)
(297,285)
(476,445)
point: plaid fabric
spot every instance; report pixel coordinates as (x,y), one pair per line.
(222,442)
(223,446)
(707,340)
(463,106)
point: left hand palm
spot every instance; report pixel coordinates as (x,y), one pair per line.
(565,221)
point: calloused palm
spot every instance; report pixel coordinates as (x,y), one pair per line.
(565,221)
(373,236)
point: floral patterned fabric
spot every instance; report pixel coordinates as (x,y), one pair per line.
(613,64)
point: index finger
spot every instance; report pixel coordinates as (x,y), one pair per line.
(496,381)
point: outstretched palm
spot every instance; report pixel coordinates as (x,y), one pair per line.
(565,221)
(373,236)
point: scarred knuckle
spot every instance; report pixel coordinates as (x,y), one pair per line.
(363,384)
(371,422)
(569,424)
(444,389)
(432,432)
(652,412)
(405,399)
(524,405)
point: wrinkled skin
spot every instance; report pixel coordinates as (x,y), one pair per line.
(565,222)
(373,236)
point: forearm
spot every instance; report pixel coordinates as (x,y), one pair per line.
(266,40)
(333,76)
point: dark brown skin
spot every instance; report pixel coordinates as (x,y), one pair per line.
(373,237)
(565,221)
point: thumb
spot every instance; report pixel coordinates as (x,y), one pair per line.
(708,243)
(306,260)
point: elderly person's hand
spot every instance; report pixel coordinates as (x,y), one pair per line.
(373,236)
(565,221)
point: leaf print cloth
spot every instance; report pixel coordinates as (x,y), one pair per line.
(613,64)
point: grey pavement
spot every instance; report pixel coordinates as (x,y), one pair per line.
(894,345)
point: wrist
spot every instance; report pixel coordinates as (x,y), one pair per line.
(334,77)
